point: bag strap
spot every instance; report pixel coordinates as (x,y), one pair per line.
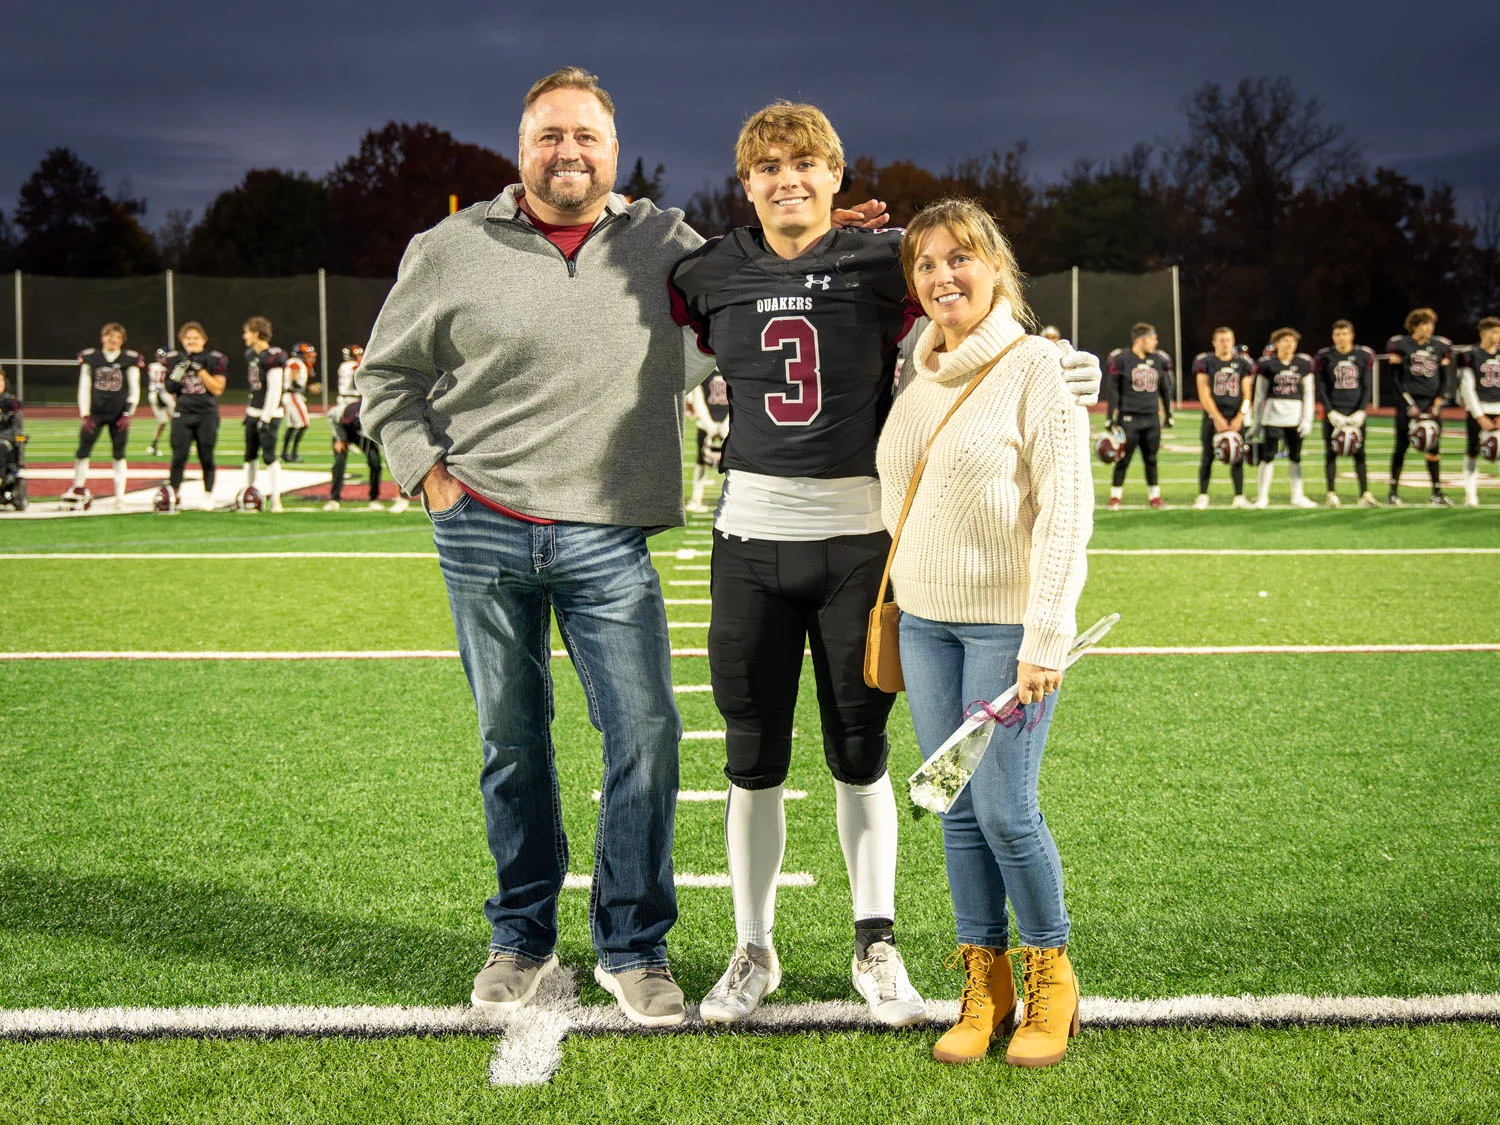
(916,473)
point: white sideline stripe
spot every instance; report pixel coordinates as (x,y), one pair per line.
(558,654)
(180,556)
(708,796)
(370,1021)
(687,624)
(703,736)
(572,882)
(668,601)
(687,582)
(685,689)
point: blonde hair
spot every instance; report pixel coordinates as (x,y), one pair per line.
(973,228)
(803,130)
(568,78)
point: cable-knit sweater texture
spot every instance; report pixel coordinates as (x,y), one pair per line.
(1000,525)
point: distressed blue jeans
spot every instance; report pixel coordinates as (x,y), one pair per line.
(506,579)
(995,840)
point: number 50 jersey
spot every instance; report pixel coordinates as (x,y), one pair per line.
(807,346)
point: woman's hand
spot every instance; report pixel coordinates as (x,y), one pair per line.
(1034,683)
(441,487)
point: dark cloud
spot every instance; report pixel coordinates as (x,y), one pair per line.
(183,97)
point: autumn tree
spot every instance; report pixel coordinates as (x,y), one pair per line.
(69,226)
(273,223)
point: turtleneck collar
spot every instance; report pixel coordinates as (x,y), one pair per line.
(988,340)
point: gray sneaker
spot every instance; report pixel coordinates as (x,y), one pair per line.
(881,979)
(753,974)
(508,981)
(649,997)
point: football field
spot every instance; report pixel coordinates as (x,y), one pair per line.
(239,762)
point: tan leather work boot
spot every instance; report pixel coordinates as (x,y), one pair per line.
(987,1007)
(1051,1007)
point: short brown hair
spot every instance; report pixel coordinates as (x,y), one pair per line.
(1283,333)
(1420,316)
(975,229)
(260,326)
(1489,322)
(801,129)
(1221,328)
(193,326)
(113,326)
(1141,328)
(568,78)
(1341,323)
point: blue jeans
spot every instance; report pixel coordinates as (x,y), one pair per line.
(506,578)
(995,841)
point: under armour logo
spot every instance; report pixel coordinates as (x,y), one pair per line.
(820,280)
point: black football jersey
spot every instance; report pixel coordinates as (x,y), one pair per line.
(807,346)
(1486,368)
(1420,366)
(184,381)
(1134,385)
(111,387)
(258,366)
(1344,378)
(1225,379)
(1284,380)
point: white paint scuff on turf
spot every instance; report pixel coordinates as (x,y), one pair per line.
(529,1051)
(140,500)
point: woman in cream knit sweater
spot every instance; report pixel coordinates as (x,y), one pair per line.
(987,573)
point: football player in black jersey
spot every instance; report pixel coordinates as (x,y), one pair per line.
(1282,408)
(804,320)
(1479,391)
(1136,379)
(109,387)
(1223,380)
(266,370)
(1344,375)
(195,379)
(708,407)
(1419,361)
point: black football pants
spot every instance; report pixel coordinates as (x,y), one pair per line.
(1206,460)
(769,600)
(118,439)
(1403,440)
(260,439)
(1274,435)
(1143,430)
(188,430)
(355,438)
(1330,469)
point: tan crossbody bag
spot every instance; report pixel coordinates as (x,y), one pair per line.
(882,646)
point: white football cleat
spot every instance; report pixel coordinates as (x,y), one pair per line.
(1332,500)
(1201,502)
(331,506)
(275,504)
(1240,502)
(1301,501)
(376,506)
(749,979)
(1262,501)
(399,505)
(881,979)
(1367,500)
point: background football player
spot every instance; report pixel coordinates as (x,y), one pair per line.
(1344,376)
(1282,410)
(804,320)
(1419,360)
(1136,380)
(158,399)
(349,433)
(109,387)
(12,448)
(708,407)
(1223,379)
(196,375)
(301,367)
(266,369)
(1479,391)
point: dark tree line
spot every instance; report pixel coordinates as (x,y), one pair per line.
(1270,212)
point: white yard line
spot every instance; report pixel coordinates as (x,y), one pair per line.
(703,736)
(669,601)
(452,654)
(688,582)
(687,624)
(572,882)
(688,689)
(709,796)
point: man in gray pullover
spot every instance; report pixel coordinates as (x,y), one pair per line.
(526,376)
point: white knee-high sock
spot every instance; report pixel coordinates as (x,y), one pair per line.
(120,478)
(1263,474)
(249,473)
(80,472)
(867,832)
(1294,470)
(275,473)
(755,838)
